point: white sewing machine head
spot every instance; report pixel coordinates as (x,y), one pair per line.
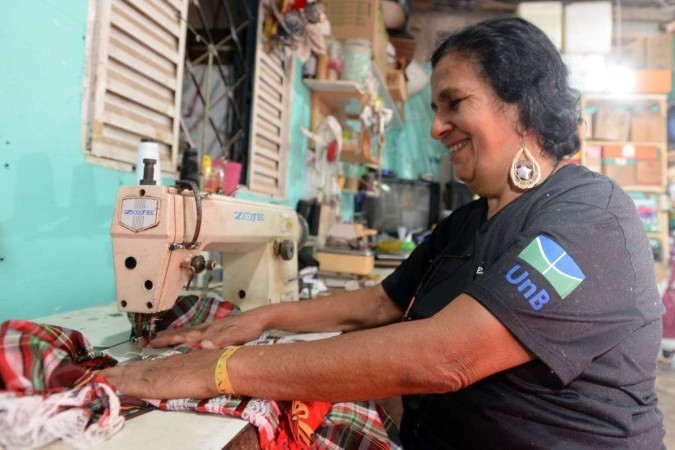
(158,233)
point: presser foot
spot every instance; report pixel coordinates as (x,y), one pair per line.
(143,330)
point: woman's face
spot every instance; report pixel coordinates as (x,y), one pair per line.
(478,129)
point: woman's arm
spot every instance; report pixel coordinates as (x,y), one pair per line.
(346,311)
(457,347)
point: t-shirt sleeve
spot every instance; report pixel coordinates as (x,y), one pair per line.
(566,287)
(401,284)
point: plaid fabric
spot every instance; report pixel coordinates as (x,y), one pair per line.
(355,426)
(49,388)
(44,359)
(192,310)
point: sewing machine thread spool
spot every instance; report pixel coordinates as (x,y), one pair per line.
(148,149)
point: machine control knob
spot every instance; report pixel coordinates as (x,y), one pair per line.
(286,249)
(198,263)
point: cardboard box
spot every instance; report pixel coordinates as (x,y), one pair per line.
(611,124)
(360,19)
(630,52)
(648,172)
(618,151)
(646,153)
(653,81)
(660,52)
(630,152)
(622,170)
(588,27)
(358,263)
(647,126)
(548,16)
(594,158)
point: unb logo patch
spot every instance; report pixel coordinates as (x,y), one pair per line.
(553,262)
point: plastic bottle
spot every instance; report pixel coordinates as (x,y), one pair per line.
(216,182)
(205,172)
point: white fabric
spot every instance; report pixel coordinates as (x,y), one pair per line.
(33,421)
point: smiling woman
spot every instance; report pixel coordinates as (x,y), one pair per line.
(498,96)
(521,346)
(477,128)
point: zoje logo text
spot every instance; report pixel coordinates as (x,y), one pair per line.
(249,217)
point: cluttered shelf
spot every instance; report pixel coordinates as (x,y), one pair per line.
(625,138)
(342,97)
(339,98)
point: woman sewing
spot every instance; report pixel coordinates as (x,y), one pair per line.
(529,318)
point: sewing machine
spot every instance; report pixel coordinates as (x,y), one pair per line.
(158,235)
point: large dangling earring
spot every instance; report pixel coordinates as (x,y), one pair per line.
(525,170)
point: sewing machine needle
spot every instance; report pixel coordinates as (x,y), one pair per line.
(137,336)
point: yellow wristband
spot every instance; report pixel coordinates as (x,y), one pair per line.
(222,379)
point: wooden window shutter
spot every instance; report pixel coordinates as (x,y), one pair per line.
(269,134)
(134,79)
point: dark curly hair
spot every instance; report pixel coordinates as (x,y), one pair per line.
(524,67)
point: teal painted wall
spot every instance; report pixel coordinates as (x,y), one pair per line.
(411,151)
(55,209)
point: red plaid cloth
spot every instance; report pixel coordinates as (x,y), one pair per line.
(192,310)
(49,388)
(41,358)
(36,358)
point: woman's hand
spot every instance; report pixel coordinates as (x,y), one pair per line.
(180,376)
(347,311)
(230,330)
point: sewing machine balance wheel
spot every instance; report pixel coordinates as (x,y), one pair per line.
(304,231)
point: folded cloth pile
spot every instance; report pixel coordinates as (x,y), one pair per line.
(49,389)
(44,362)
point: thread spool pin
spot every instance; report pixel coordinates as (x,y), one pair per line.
(148,172)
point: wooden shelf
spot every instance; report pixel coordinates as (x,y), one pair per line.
(622,98)
(622,143)
(339,98)
(342,98)
(334,86)
(354,155)
(645,188)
